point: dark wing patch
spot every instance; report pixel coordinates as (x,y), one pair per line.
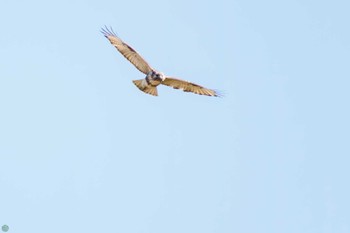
(127,51)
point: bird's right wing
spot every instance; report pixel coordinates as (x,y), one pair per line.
(128,52)
(189,87)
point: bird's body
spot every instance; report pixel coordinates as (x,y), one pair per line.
(153,77)
(150,82)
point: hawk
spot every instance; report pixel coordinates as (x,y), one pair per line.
(153,77)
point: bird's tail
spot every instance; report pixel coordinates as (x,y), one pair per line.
(143,86)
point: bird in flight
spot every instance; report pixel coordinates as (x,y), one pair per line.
(153,77)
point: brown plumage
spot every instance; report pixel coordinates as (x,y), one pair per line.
(153,77)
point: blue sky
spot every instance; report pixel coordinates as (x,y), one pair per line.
(83,150)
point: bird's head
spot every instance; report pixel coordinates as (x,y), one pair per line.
(158,75)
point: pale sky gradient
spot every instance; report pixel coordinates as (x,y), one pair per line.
(83,150)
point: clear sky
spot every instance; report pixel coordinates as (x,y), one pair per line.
(83,150)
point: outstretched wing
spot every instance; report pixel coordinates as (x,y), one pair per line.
(189,87)
(128,52)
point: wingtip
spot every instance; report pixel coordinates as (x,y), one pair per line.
(108,31)
(219,93)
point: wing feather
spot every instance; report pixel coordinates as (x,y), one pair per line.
(189,87)
(127,51)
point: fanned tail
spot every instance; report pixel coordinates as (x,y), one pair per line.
(143,86)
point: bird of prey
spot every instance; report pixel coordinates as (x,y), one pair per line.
(153,77)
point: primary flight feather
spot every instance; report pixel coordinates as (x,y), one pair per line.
(153,77)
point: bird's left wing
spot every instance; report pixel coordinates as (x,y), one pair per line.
(128,52)
(189,87)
